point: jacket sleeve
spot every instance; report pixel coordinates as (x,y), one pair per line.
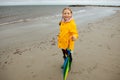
(73,30)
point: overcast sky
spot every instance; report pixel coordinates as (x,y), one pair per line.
(67,2)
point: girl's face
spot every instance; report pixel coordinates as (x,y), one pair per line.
(66,14)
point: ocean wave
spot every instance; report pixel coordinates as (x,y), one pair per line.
(80,11)
(17,21)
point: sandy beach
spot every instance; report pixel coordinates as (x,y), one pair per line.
(33,54)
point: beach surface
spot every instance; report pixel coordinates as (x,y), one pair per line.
(32,53)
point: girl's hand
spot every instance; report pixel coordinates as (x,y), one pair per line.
(73,38)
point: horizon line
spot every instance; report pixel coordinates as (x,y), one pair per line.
(59,3)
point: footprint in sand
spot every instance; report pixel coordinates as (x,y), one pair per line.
(5,62)
(108,47)
(100,45)
(34,75)
(75,72)
(28,66)
(90,69)
(112,35)
(78,72)
(53,42)
(50,78)
(54,54)
(115,35)
(18,51)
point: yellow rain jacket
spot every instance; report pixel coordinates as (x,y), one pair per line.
(67,30)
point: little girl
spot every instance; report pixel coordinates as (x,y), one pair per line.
(68,32)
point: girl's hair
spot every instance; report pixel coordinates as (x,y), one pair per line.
(67,8)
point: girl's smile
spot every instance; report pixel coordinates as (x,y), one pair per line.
(67,14)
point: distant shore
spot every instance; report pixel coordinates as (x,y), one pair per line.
(94,5)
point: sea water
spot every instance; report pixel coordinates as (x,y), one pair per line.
(49,13)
